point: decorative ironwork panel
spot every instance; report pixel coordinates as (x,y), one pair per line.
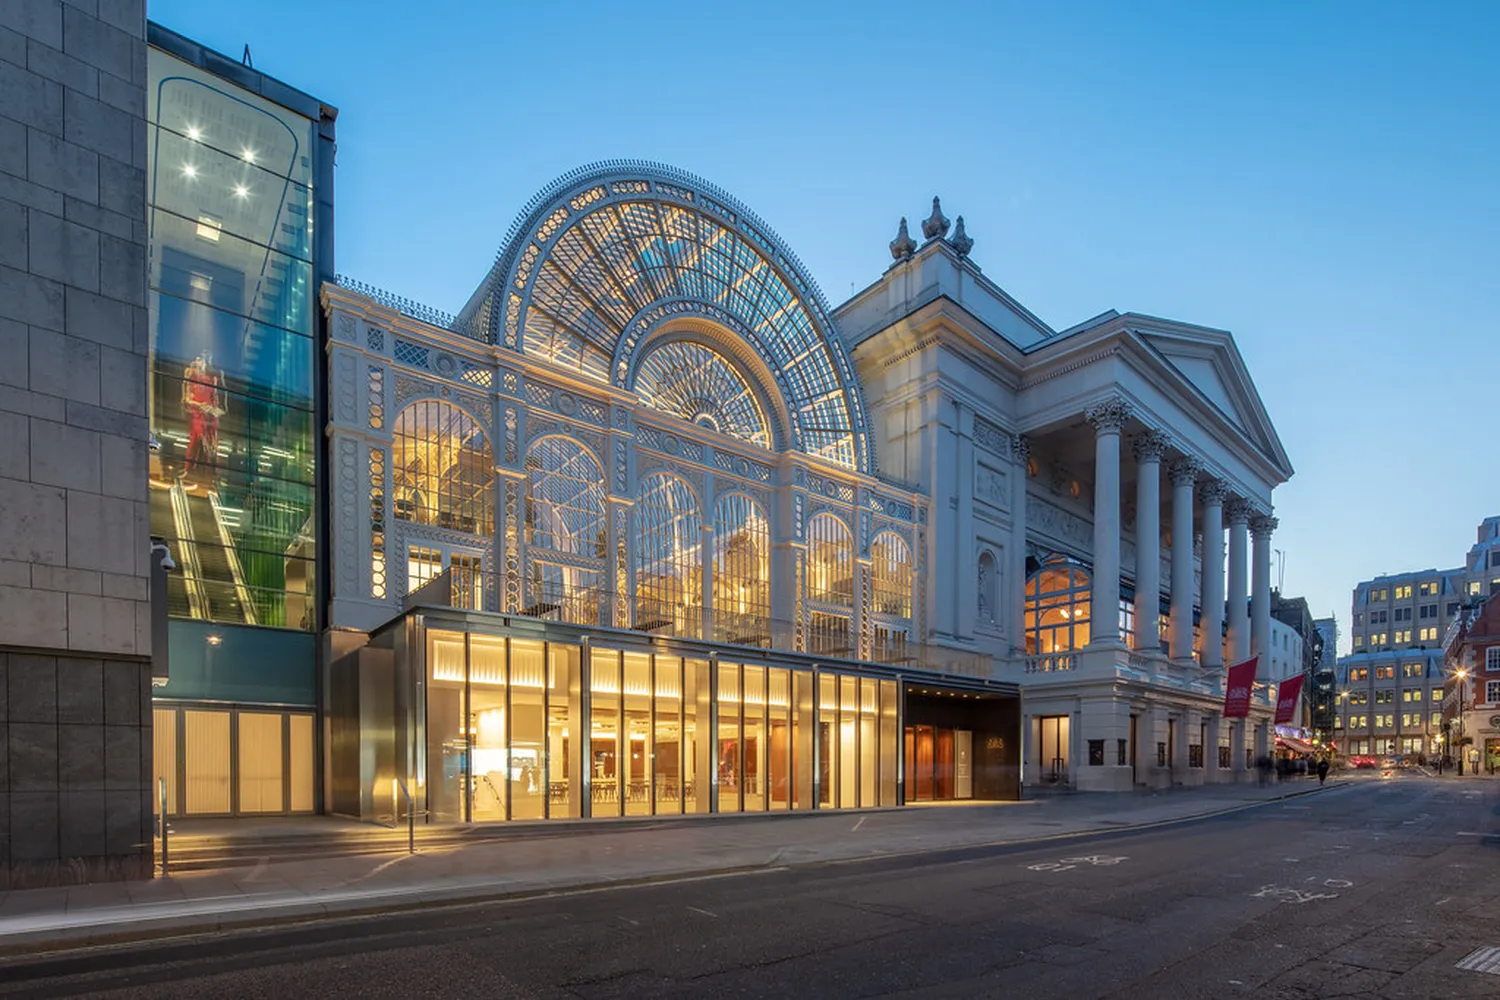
(512,546)
(697,384)
(377,523)
(375,392)
(410,354)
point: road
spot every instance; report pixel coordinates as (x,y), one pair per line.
(1372,890)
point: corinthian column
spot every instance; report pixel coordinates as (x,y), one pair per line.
(1212,653)
(1149,448)
(1237,512)
(1183,473)
(1108,419)
(1261,527)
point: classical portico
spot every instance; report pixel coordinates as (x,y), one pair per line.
(1116,469)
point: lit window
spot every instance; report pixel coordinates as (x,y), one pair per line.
(1359,641)
(1491,692)
(668,557)
(209,228)
(565,529)
(891,575)
(1058,609)
(830,560)
(441,469)
(742,571)
(695,383)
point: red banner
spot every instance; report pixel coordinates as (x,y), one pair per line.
(1287,695)
(1237,689)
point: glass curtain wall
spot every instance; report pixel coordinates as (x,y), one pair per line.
(521,729)
(669,564)
(742,572)
(566,537)
(232,347)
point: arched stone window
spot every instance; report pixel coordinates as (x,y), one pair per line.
(890,568)
(1058,602)
(698,384)
(668,557)
(830,584)
(565,530)
(441,469)
(987,587)
(742,571)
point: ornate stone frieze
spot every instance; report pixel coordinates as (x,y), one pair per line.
(343,328)
(345,388)
(349,494)
(540,427)
(1108,416)
(799,583)
(1184,470)
(622,466)
(1059,524)
(799,516)
(512,489)
(990,487)
(991,438)
(1021,448)
(1150,446)
(512,444)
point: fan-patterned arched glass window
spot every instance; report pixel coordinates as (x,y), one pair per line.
(830,560)
(442,470)
(565,530)
(742,571)
(668,557)
(890,559)
(698,384)
(1058,609)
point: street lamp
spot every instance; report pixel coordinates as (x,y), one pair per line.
(1462,675)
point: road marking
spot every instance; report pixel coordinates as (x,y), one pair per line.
(1068,864)
(259,869)
(859,824)
(1470,833)
(1287,894)
(633,923)
(1481,960)
(1442,901)
(704,912)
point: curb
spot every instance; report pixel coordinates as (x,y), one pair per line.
(47,947)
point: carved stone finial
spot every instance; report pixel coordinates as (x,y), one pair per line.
(1213,491)
(1183,471)
(1237,510)
(1261,525)
(936,226)
(1150,446)
(1108,415)
(961,242)
(903,246)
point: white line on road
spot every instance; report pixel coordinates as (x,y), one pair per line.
(704,912)
(860,823)
(1442,901)
(259,869)
(1470,833)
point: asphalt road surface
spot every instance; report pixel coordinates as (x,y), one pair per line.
(1377,889)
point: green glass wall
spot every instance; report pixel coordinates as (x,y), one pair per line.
(233,362)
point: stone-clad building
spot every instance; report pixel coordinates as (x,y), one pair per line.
(75,630)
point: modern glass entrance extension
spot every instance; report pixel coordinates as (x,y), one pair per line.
(482,717)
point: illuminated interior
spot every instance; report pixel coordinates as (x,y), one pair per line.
(696,383)
(1057,609)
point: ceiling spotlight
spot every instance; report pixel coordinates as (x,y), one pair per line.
(248,156)
(240,191)
(189,171)
(194,133)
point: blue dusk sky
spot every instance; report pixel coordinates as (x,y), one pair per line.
(1318,178)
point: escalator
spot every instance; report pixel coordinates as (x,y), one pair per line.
(212,578)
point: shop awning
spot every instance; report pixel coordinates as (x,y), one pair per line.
(1295,745)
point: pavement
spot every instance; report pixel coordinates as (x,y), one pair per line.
(270,892)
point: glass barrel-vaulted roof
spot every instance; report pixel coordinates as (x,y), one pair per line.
(607,255)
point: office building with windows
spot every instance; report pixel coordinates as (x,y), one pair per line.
(1471,696)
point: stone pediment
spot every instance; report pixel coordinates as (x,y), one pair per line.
(1208,362)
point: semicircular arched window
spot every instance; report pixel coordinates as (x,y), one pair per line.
(695,383)
(442,470)
(1058,604)
(890,568)
(742,571)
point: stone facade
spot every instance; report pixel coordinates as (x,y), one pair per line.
(75,635)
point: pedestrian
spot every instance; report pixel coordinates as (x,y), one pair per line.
(1322,770)
(1263,766)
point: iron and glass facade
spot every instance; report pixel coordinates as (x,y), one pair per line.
(639,460)
(239,216)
